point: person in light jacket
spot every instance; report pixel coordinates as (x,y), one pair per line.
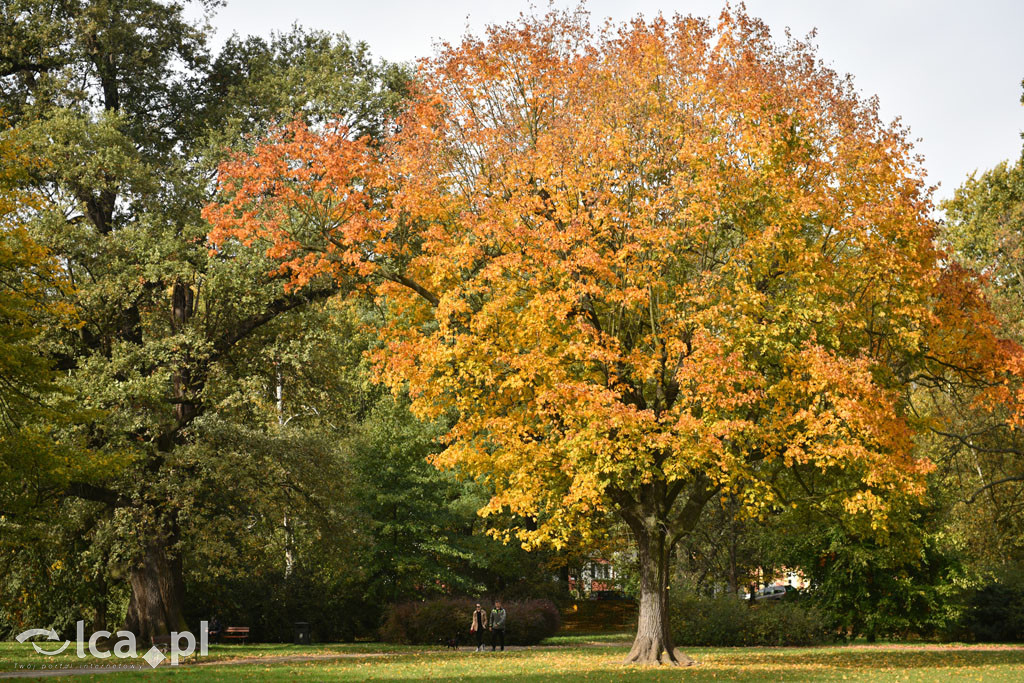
(498,626)
(478,626)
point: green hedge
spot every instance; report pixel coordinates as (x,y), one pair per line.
(436,621)
(729,621)
(994,613)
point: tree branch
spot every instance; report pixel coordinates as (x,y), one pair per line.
(98,494)
(1004,480)
(245,327)
(414,286)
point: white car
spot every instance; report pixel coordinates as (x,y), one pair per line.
(773,592)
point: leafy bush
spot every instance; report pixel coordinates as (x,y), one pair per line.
(709,621)
(788,623)
(728,621)
(434,621)
(994,613)
(531,621)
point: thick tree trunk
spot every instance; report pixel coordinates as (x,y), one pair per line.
(156,579)
(653,642)
(157,597)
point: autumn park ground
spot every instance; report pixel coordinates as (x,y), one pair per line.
(563,658)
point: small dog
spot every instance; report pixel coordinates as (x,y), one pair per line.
(452,643)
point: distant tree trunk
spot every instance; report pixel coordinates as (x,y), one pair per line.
(734,583)
(563,577)
(158,592)
(100,617)
(289,540)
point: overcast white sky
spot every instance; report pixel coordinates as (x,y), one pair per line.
(951,69)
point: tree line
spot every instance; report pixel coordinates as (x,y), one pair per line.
(668,287)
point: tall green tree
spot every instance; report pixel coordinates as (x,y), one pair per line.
(123,102)
(983,460)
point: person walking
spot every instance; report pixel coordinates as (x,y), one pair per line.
(498,626)
(478,626)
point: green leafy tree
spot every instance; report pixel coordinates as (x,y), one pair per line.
(122,102)
(424,534)
(982,460)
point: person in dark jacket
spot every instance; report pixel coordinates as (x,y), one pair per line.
(498,626)
(214,629)
(478,626)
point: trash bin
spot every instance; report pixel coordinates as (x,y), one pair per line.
(302,633)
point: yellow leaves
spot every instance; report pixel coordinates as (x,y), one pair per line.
(629,255)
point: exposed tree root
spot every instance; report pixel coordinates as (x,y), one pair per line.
(649,651)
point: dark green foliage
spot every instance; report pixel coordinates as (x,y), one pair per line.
(873,588)
(900,581)
(424,536)
(994,613)
(418,518)
(50,572)
(436,621)
(270,604)
(315,74)
(725,621)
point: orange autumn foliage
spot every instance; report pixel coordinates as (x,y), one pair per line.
(641,264)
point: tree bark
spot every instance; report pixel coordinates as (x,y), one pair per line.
(653,642)
(158,592)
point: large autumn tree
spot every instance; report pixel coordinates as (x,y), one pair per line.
(640,267)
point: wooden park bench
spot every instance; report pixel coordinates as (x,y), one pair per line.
(236,633)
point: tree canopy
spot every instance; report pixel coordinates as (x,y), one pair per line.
(641,267)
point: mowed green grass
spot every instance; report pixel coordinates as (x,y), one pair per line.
(13,654)
(578,661)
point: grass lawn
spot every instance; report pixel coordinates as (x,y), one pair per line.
(575,658)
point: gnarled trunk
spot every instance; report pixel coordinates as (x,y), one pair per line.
(158,591)
(653,642)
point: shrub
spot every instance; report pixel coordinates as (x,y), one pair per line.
(531,621)
(994,613)
(716,621)
(788,623)
(727,621)
(434,621)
